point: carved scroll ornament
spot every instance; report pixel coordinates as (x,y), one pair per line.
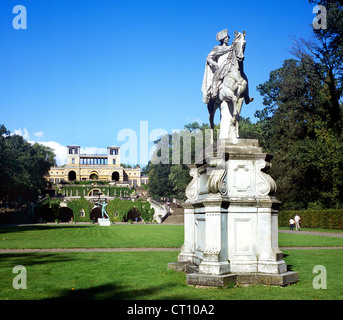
(265,185)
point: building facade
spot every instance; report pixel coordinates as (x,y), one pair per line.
(104,167)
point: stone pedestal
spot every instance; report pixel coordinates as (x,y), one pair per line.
(104,222)
(231,221)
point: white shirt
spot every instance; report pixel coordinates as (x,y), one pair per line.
(291,221)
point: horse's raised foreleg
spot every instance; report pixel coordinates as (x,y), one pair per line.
(239,108)
(211,110)
(247,99)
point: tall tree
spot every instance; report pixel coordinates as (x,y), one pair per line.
(302,127)
(326,48)
(179,178)
(159,183)
(23,167)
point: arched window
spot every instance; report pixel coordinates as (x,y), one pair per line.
(94,176)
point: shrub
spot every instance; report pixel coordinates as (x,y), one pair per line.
(144,207)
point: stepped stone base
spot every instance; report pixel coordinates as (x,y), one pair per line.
(194,278)
(231,214)
(104,222)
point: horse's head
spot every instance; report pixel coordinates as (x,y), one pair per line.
(239,45)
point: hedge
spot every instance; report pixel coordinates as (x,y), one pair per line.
(123,207)
(117,209)
(327,219)
(77,205)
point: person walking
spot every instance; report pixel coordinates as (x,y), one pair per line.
(297,222)
(291,224)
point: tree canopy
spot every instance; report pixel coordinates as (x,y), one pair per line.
(23,167)
(302,121)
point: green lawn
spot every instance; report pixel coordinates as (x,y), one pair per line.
(315,229)
(144,276)
(91,236)
(298,239)
(123,236)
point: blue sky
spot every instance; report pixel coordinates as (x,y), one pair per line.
(85,70)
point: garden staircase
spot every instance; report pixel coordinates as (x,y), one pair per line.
(177,217)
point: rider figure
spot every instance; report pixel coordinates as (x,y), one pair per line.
(217,63)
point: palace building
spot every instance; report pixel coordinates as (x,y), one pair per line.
(105,167)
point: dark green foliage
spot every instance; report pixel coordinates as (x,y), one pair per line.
(118,210)
(302,120)
(77,205)
(23,167)
(301,124)
(48,210)
(180,178)
(171,177)
(249,130)
(297,129)
(159,183)
(145,210)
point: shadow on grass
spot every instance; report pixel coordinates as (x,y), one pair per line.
(120,289)
(31,259)
(33,227)
(114,292)
(289,266)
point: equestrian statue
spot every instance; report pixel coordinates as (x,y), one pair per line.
(225,84)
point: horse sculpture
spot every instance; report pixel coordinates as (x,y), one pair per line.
(232,91)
